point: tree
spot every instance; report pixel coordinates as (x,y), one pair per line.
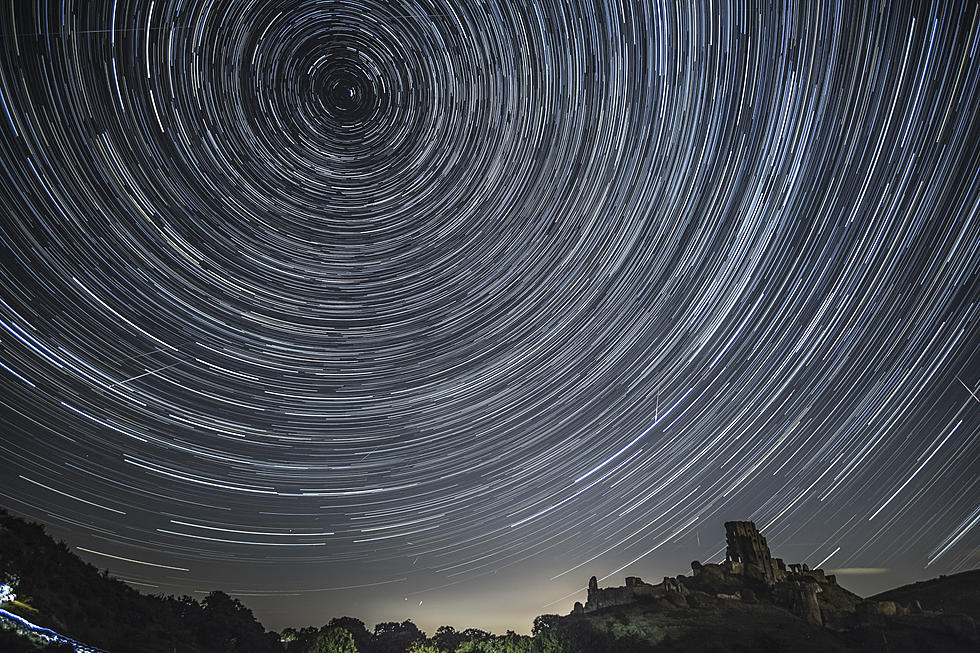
(447,639)
(514,643)
(333,640)
(544,622)
(475,641)
(547,641)
(421,646)
(475,633)
(297,641)
(394,637)
(573,635)
(227,626)
(357,629)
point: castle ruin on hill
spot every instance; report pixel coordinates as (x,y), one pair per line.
(748,554)
(749,568)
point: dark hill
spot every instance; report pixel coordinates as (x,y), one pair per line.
(709,624)
(55,589)
(713,624)
(956,594)
(752,603)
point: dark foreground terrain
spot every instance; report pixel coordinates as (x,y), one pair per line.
(949,594)
(720,608)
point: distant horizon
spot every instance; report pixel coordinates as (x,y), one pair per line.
(429,627)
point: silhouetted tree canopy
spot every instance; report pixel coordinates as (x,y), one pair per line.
(447,638)
(333,640)
(544,622)
(362,636)
(394,637)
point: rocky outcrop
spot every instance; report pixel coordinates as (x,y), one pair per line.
(869,610)
(805,604)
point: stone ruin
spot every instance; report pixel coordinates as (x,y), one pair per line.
(747,548)
(748,562)
(748,554)
(635,590)
(750,574)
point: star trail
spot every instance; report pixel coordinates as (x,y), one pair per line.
(347,306)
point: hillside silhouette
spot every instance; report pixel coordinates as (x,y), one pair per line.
(752,602)
(958,593)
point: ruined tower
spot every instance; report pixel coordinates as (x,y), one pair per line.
(745,543)
(747,546)
(592,599)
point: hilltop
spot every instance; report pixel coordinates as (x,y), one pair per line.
(755,602)
(959,593)
(751,602)
(55,589)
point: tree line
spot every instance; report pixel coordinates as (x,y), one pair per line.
(57,590)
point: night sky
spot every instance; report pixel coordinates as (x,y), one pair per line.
(432,310)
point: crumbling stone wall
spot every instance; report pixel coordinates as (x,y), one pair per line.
(745,543)
(634,590)
(749,566)
(747,546)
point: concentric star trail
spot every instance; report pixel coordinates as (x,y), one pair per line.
(458,298)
